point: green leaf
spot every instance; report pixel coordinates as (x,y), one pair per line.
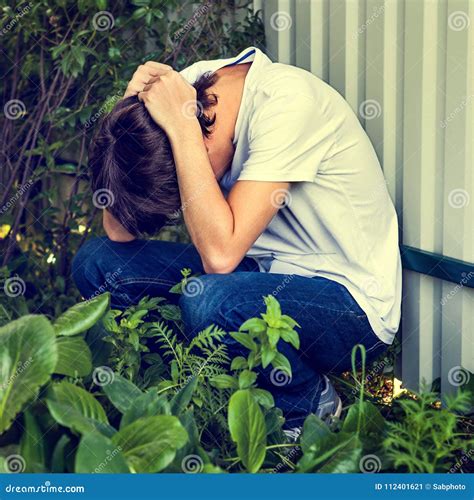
(148,404)
(255,325)
(281,362)
(268,355)
(28,355)
(340,453)
(345,459)
(245,339)
(224,381)
(238,363)
(263,398)
(273,335)
(139,13)
(74,407)
(182,398)
(58,459)
(74,357)
(150,443)
(364,418)
(122,393)
(246,379)
(32,445)
(314,432)
(82,316)
(247,428)
(97,454)
(273,314)
(292,337)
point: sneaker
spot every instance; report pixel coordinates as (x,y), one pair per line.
(329,407)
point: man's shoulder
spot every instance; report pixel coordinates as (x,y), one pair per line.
(284,80)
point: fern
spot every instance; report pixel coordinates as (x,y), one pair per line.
(426,439)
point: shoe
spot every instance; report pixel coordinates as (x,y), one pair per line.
(329,407)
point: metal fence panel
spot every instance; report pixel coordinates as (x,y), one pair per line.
(407,69)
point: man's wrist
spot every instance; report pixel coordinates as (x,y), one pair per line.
(184,129)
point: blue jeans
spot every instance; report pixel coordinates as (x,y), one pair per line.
(331,320)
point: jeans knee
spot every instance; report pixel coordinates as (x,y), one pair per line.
(201,302)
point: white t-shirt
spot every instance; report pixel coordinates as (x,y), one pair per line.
(339,222)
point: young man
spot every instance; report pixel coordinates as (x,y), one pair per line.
(281,192)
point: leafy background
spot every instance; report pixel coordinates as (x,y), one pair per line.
(65,63)
(88,389)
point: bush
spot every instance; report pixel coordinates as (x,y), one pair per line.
(66,62)
(153,403)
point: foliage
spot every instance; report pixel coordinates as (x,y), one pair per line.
(65,64)
(198,410)
(426,437)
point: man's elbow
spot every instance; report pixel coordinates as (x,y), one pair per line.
(219,264)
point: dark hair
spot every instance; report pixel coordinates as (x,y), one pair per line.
(131,157)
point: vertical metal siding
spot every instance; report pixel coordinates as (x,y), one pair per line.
(407,69)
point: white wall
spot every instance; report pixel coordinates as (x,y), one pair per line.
(407,69)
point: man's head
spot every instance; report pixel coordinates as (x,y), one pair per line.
(131,157)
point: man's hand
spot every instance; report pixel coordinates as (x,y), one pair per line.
(171,101)
(143,75)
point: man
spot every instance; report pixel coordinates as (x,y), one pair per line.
(281,193)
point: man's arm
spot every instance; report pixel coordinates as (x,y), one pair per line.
(222,229)
(114,230)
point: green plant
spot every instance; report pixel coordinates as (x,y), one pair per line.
(65,64)
(64,409)
(426,438)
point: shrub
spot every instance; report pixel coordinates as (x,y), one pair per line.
(153,403)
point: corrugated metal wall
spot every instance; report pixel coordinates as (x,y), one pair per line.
(407,69)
